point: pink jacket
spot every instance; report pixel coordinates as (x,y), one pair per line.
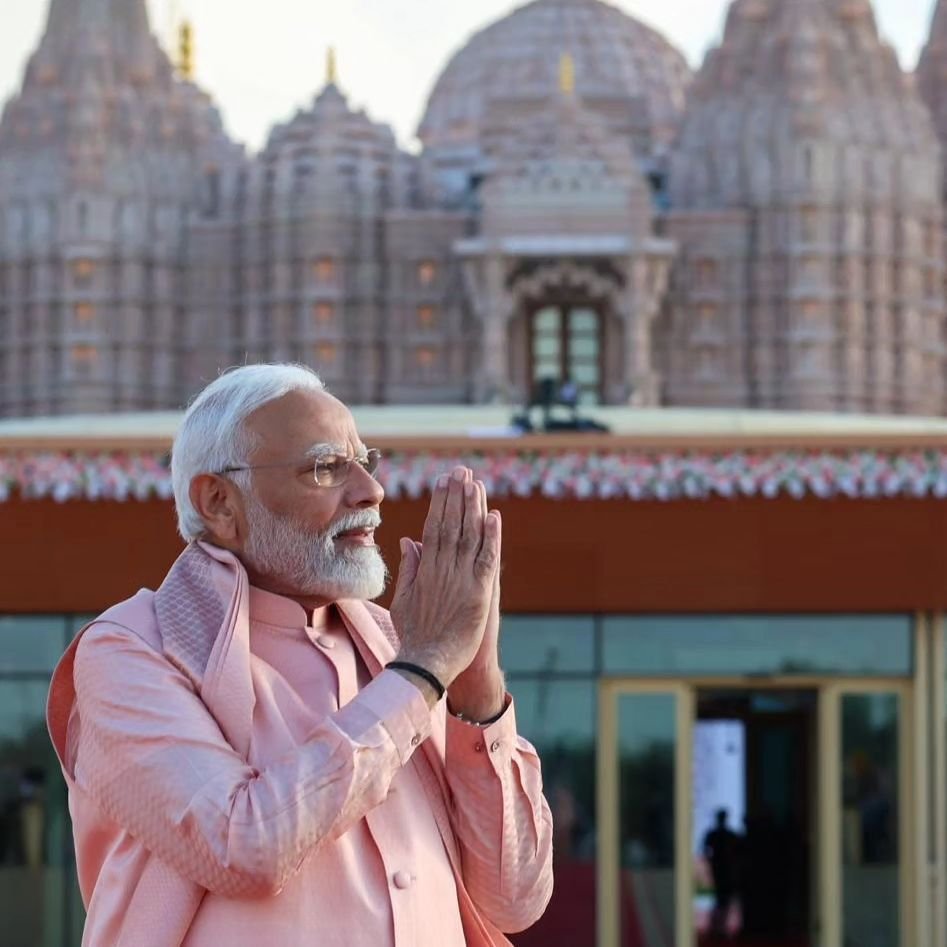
(172,793)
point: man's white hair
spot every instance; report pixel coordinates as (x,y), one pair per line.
(213,434)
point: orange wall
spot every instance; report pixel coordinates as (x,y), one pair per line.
(560,556)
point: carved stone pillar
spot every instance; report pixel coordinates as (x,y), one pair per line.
(647,278)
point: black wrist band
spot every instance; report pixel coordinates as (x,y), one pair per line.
(421,672)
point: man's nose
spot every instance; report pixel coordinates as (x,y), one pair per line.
(363,489)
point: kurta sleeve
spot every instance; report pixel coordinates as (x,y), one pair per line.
(501,820)
(147,750)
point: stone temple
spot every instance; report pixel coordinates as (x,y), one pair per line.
(767,233)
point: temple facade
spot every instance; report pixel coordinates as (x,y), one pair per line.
(766,233)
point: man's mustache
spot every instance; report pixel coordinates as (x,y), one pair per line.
(363,519)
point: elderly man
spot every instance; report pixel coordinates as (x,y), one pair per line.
(258,755)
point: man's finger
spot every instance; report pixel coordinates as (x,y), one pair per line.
(488,559)
(496,579)
(483,500)
(452,523)
(435,513)
(481,486)
(496,513)
(408,570)
(472,535)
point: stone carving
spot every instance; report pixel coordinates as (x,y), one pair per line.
(765,234)
(805,189)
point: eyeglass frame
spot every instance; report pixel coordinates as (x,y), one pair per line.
(364,460)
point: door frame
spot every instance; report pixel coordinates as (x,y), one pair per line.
(910,814)
(826,915)
(565,304)
(608,853)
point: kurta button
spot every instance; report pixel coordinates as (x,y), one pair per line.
(325,641)
(403,879)
(494,746)
(478,747)
(415,740)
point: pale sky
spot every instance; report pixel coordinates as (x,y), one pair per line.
(262,60)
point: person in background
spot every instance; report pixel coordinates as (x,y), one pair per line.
(721,849)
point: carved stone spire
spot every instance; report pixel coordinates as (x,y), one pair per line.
(803,123)
(111,36)
(103,158)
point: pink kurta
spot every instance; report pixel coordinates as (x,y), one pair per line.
(390,869)
(324,832)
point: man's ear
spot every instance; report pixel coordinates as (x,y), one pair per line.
(217,502)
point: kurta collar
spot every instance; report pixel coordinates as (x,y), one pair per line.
(272,609)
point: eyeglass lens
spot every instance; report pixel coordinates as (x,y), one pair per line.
(331,471)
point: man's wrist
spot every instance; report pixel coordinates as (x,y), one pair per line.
(477,696)
(479,721)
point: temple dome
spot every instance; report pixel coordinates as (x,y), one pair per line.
(625,70)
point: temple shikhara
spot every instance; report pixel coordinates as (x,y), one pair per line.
(766,233)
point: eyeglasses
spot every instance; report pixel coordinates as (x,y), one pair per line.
(328,470)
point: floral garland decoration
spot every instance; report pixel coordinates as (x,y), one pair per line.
(631,475)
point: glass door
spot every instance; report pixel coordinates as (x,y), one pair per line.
(644,838)
(866,842)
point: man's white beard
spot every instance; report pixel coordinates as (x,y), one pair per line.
(281,548)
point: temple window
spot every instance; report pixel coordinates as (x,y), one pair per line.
(83,271)
(326,353)
(930,283)
(706,273)
(808,163)
(84,314)
(427,273)
(810,270)
(425,357)
(212,191)
(427,316)
(324,269)
(809,225)
(930,240)
(324,313)
(84,358)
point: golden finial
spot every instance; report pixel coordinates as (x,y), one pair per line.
(332,68)
(186,50)
(567,74)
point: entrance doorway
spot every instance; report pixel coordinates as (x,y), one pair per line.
(566,354)
(754,812)
(815,776)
